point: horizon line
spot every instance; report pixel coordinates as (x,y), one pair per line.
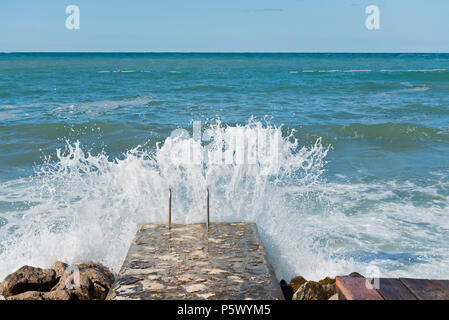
(240,52)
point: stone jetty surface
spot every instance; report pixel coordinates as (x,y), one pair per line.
(227,261)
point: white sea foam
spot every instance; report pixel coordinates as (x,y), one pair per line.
(330,71)
(410,89)
(427,70)
(73,110)
(141,100)
(87,207)
(357,71)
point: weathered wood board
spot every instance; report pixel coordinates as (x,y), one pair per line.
(227,261)
(393,289)
(428,289)
(350,288)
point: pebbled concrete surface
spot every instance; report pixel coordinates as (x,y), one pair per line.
(226,262)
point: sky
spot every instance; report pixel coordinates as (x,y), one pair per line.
(224,26)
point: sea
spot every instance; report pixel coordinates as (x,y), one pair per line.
(342,160)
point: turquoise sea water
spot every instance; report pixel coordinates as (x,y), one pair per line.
(363,170)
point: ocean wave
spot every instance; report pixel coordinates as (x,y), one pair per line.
(204,87)
(406,90)
(418,74)
(71,110)
(139,100)
(382,131)
(362,70)
(80,204)
(420,109)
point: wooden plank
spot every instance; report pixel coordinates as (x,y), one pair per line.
(394,289)
(350,288)
(428,289)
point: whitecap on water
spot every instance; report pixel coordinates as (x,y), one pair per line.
(87,207)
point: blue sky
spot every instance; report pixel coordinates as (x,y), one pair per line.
(226,25)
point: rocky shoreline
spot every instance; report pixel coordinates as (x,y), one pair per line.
(86,281)
(92,281)
(300,289)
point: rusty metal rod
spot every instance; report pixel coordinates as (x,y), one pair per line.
(208,209)
(169,209)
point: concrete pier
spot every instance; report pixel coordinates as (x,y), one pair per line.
(227,261)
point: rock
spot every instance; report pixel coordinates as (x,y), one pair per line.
(87,281)
(36,295)
(76,283)
(356,275)
(297,282)
(108,276)
(84,282)
(310,290)
(29,295)
(28,279)
(329,289)
(321,290)
(60,268)
(327,281)
(329,286)
(334,297)
(59,295)
(98,285)
(287,291)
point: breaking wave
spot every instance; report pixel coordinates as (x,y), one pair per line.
(87,207)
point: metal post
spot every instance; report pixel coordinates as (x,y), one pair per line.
(169,210)
(208,209)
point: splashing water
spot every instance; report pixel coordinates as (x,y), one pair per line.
(87,207)
(382,200)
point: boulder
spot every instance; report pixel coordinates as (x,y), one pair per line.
(28,279)
(87,281)
(334,297)
(77,284)
(356,275)
(29,295)
(327,281)
(297,282)
(329,289)
(100,269)
(60,268)
(329,286)
(36,295)
(59,295)
(311,290)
